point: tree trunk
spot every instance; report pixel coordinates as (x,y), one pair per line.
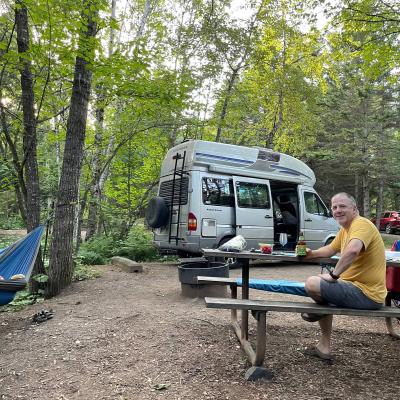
(379,203)
(277,122)
(29,139)
(19,186)
(278,118)
(224,110)
(145,16)
(96,165)
(61,265)
(96,187)
(82,207)
(366,200)
(356,188)
(382,172)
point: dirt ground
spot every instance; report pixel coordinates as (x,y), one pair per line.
(134,336)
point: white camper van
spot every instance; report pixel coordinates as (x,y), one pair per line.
(209,192)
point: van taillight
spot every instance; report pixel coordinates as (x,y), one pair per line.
(192,222)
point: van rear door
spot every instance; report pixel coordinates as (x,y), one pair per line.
(253,209)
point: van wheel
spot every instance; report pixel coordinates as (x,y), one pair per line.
(329,241)
(157,212)
(388,229)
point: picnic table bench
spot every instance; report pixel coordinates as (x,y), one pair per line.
(260,308)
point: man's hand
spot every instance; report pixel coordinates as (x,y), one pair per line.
(322,252)
(309,253)
(327,277)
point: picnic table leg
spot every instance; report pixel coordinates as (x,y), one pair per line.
(233,311)
(257,371)
(256,357)
(245,295)
(261,343)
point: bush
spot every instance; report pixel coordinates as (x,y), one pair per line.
(83,272)
(102,245)
(89,257)
(138,247)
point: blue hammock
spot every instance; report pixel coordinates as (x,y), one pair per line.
(18,258)
(277,286)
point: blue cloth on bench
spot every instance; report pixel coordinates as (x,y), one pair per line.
(277,286)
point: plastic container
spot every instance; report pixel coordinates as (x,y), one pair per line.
(266,248)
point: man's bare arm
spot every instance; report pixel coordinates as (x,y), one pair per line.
(351,251)
(322,252)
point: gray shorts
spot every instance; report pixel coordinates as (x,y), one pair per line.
(345,294)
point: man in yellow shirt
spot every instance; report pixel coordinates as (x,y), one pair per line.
(358,279)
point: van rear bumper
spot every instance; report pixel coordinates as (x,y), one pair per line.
(192,247)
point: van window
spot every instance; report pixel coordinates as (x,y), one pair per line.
(166,191)
(252,195)
(218,192)
(314,204)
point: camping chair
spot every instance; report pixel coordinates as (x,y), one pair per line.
(393,274)
(393,296)
(18,258)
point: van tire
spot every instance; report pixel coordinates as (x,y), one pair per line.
(157,212)
(329,241)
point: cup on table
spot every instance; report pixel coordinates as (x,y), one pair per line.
(266,248)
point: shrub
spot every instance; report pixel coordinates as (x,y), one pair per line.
(83,272)
(89,257)
(102,244)
(138,246)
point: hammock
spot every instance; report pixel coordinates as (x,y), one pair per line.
(18,258)
(277,286)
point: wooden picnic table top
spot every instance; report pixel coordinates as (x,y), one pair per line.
(392,257)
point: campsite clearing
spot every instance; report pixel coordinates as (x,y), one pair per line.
(133,336)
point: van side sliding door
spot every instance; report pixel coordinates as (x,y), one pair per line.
(253,209)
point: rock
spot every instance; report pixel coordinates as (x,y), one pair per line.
(126,264)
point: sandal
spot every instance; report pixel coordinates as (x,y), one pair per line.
(309,317)
(314,352)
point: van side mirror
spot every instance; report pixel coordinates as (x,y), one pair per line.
(330,215)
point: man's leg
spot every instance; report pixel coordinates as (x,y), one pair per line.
(324,344)
(313,289)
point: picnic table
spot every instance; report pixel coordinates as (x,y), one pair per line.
(260,309)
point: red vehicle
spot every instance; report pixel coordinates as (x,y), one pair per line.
(390,221)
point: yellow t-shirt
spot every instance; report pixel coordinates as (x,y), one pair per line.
(368,270)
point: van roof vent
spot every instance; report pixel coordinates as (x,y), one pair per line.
(268,155)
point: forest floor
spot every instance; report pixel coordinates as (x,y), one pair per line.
(134,336)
